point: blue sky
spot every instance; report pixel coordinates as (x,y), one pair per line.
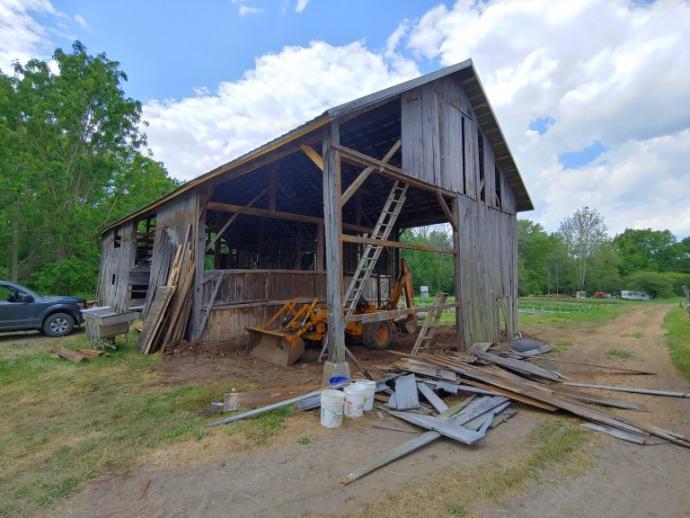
(169,48)
(593,96)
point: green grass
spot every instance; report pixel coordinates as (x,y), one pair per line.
(447,316)
(557,443)
(63,423)
(560,312)
(262,428)
(621,354)
(677,325)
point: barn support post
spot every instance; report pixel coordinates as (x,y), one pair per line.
(457,284)
(199,233)
(333,229)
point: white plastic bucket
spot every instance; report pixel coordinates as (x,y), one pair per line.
(369,391)
(354,399)
(332,402)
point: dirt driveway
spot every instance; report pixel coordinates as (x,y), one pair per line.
(214,477)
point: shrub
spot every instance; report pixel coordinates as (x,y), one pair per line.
(4,273)
(655,283)
(67,277)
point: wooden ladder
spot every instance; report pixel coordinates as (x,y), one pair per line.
(426,335)
(367,262)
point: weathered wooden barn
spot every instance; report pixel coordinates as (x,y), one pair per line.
(291,218)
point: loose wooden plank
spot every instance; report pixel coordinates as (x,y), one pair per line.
(518,366)
(417,443)
(68,354)
(406,392)
(153,322)
(236,400)
(618,434)
(432,398)
(595,365)
(634,390)
(442,426)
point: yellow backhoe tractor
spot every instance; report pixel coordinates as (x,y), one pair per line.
(281,339)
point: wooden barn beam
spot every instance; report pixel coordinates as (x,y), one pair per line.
(397,244)
(362,177)
(395,173)
(313,155)
(333,228)
(275,214)
(393,314)
(232,220)
(446,210)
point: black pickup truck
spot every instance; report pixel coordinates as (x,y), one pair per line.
(21,309)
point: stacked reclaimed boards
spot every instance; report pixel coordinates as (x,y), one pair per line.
(168,314)
(493,378)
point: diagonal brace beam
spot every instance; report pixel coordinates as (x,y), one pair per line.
(313,155)
(233,218)
(345,197)
(446,210)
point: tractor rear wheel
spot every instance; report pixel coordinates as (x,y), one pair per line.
(377,335)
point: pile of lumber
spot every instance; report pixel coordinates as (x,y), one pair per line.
(519,380)
(166,321)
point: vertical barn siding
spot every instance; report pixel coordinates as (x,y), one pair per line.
(488,262)
(113,281)
(433,118)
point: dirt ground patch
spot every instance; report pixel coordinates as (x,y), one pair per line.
(625,480)
(203,364)
(218,476)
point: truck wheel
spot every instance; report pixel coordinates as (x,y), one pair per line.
(377,335)
(58,324)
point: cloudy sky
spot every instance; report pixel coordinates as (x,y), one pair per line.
(593,95)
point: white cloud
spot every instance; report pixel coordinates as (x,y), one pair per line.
(301,5)
(21,36)
(612,71)
(196,134)
(245,10)
(81,21)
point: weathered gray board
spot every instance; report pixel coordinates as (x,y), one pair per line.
(113,278)
(114,284)
(436,119)
(488,271)
(432,119)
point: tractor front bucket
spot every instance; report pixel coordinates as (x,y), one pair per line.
(275,346)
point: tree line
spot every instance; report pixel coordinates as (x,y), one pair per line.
(580,256)
(73,158)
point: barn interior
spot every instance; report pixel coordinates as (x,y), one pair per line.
(265,229)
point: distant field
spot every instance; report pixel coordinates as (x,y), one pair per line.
(556,311)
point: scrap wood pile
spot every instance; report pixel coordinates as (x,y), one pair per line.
(425,390)
(166,321)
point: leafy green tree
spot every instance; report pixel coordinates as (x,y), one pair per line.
(604,272)
(429,268)
(74,158)
(654,283)
(534,253)
(583,233)
(646,249)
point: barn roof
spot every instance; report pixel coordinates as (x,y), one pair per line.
(473,88)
